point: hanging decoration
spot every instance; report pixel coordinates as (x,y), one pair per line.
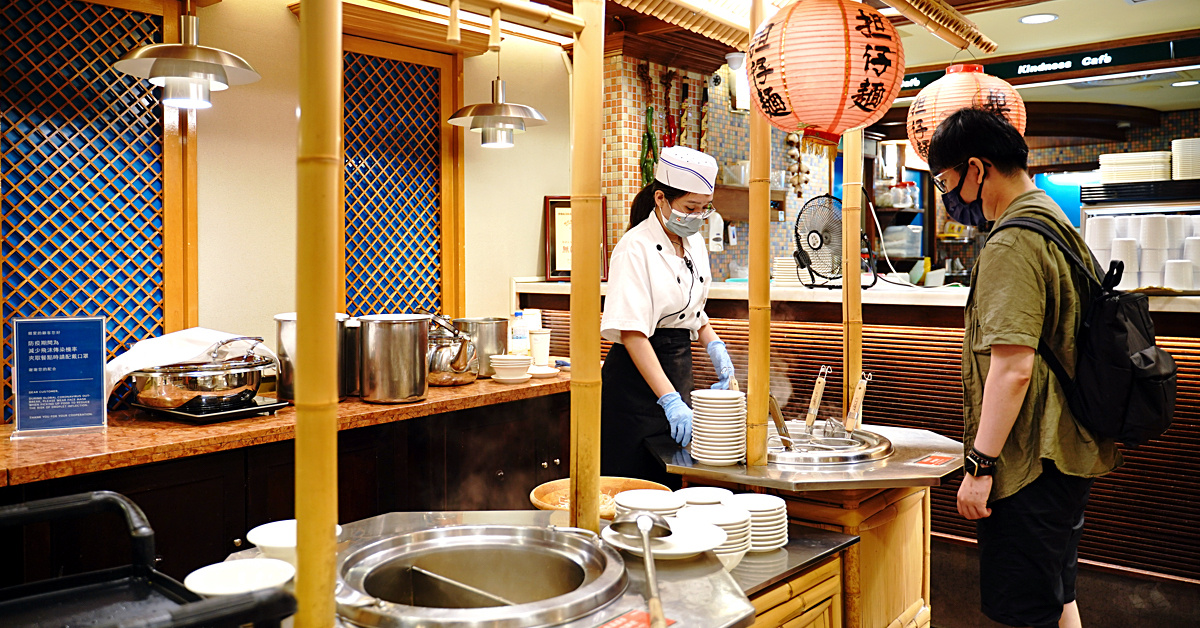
(963,86)
(825,66)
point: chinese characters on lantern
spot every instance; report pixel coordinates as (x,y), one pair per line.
(878,57)
(918,133)
(760,70)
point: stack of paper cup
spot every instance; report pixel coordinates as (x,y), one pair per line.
(1195,221)
(1155,242)
(1178,228)
(1126,250)
(1191,252)
(1177,274)
(1099,232)
(1124,227)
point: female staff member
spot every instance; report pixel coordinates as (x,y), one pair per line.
(658,284)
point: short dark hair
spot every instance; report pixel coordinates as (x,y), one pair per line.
(975,132)
(643,203)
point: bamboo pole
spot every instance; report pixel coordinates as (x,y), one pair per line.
(587,234)
(759,381)
(318,197)
(852,173)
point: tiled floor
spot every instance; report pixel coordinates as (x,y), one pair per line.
(1105,600)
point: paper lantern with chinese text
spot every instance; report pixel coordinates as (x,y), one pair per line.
(824,66)
(963,86)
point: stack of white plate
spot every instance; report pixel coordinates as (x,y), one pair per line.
(718,426)
(511,369)
(734,521)
(784,272)
(1185,158)
(1130,167)
(768,519)
(705,495)
(664,503)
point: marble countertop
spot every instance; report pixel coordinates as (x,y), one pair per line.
(134,437)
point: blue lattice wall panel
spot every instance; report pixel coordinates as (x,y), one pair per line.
(393,185)
(81,213)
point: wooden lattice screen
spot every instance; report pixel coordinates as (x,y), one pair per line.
(81,213)
(393,185)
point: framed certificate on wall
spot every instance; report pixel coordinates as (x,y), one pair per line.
(558,238)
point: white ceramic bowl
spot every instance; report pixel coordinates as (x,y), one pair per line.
(239,576)
(510,372)
(277,539)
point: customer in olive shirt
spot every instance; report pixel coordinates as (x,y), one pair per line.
(1030,464)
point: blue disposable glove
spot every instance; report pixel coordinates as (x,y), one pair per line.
(721,364)
(679,415)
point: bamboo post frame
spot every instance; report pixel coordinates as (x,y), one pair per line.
(852,173)
(759,381)
(586,226)
(319,201)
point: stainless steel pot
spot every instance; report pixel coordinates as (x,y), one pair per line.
(285,344)
(218,384)
(395,360)
(490,337)
(496,576)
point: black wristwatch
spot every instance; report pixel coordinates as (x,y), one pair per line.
(978,464)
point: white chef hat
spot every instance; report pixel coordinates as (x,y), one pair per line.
(686,169)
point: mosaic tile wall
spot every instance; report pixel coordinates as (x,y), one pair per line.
(1174,125)
(728,141)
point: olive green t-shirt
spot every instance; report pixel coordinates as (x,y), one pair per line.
(1023,289)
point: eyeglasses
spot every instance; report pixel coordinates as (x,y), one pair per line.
(940,183)
(703,212)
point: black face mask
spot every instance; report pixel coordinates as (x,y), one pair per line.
(970,214)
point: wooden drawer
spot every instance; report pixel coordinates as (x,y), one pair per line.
(810,599)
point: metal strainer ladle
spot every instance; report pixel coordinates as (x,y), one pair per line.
(649,525)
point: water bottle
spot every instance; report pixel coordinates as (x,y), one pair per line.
(518,340)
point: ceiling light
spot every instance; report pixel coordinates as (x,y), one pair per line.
(497,121)
(735,60)
(1185,83)
(1038,18)
(187,71)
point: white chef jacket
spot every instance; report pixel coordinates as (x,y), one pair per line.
(649,286)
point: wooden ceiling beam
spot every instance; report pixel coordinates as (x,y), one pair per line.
(645,25)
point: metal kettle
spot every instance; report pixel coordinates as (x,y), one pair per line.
(452,360)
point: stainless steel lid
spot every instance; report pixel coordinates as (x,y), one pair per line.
(232,365)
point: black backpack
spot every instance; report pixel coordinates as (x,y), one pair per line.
(1124,386)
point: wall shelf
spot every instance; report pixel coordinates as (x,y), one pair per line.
(733,203)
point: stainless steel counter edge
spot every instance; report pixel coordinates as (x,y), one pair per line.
(920,458)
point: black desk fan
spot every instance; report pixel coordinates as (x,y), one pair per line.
(818,236)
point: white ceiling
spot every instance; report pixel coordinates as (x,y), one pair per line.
(1079,22)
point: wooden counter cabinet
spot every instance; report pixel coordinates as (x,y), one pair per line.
(812,599)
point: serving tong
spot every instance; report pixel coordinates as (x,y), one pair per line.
(837,430)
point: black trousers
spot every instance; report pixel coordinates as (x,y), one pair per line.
(629,410)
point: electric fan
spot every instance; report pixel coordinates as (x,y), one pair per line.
(819,241)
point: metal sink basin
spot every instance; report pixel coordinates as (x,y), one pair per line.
(862,446)
(503,576)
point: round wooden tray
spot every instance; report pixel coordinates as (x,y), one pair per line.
(554,495)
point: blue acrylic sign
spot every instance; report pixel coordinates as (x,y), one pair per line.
(58,373)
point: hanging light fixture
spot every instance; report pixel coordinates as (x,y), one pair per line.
(497,121)
(187,71)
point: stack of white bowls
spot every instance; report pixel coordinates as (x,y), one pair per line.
(511,369)
(718,426)
(784,272)
(664,503)
(768,519)
(703,495)
(1155,242)
(1099,233)
(734,521)
(1185,158)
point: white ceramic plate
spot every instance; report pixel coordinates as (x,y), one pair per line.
(649,499)
(704,494)
(543,371)
(512,380)
(687,539)
(722,516)
(717,462)
(755,502)
(717,394)
(239,576)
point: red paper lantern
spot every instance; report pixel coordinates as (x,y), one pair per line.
(826,65)
(963,86)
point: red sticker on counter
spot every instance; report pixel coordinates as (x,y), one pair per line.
(632,619)
(935,460)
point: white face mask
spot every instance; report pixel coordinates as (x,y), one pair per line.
(683,225)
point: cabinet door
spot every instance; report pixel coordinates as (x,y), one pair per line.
(491,458)
(554,438)
(196,507)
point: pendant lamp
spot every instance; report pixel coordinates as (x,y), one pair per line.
(964,85)
(187,71)
(497,121)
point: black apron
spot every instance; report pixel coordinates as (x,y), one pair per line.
(629,410)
